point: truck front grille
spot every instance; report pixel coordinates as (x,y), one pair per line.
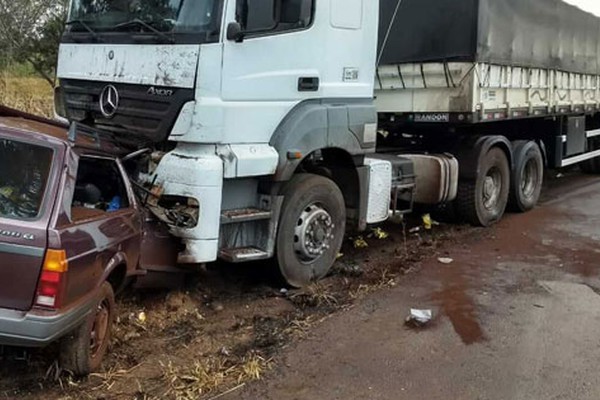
(144,113)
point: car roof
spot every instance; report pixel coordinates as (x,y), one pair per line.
(33,125)
(82,139)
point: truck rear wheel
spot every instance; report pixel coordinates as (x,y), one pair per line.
(83,350)
(482,202)
(311,229)
(527,176)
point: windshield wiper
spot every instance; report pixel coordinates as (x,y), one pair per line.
(146,25)
(85,26)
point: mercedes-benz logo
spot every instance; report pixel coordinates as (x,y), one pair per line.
(109,101)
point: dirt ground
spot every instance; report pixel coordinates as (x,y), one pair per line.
(516,316)
(232,325)
(226,327)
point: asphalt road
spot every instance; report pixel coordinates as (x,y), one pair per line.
(517,316)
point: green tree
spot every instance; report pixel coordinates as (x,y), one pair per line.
(30,32)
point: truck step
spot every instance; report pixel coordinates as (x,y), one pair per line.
(243,254)
(244,215)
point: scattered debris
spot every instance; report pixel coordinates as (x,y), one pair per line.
(360,243)
(419,318)
(416,229)
(428,222)
(380,233)
(352,270)
(141,318)
(445,260)
(216,306)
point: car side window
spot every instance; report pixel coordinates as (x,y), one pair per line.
(99,189)
(275,16)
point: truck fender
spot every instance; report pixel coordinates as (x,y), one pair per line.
(321,124)
(470,157)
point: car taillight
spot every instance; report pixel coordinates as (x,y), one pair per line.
(52,279)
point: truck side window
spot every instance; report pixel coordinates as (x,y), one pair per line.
(273,16)
(99,189)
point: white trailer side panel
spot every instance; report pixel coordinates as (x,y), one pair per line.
(483,91)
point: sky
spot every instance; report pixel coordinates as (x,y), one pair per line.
(592,6)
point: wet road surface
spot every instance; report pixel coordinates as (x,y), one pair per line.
(517,316)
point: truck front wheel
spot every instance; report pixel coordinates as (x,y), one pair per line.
(527,176)
(482,202)
(311,229)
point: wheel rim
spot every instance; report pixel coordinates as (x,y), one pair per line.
(530,179)
(492,188)
(314,233)
(99,329)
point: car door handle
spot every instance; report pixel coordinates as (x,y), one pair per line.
(308,84)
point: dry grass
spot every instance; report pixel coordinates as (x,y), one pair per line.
(29,94)
(211,374)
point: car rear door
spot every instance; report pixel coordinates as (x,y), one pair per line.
(29,173)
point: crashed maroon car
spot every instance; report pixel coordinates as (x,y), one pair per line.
(71,235)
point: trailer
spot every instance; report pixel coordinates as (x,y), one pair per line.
(276,126)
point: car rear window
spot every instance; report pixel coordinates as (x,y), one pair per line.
(24,171)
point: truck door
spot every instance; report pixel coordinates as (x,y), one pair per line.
(275,62)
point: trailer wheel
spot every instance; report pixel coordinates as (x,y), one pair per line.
(483,202)
(83,350)
(527,176)
(311,229)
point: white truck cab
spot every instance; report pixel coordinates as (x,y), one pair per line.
(236,92)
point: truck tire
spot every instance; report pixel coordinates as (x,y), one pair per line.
(311,229)
(527,176)
(83,350)
(482,202)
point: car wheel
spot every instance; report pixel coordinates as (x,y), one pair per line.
(311,229)
(83,350)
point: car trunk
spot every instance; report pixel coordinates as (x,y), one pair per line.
(25,181)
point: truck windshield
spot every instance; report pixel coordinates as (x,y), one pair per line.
(24,171)
(143,16)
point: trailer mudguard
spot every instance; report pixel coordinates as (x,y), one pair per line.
(470,156)
(350,125)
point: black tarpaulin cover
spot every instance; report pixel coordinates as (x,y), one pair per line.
(527,33)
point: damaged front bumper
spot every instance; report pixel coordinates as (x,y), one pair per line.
(194,172)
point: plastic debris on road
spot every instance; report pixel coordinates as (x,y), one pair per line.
(380,234)
(360,243)
(141,318)
(445,260)
(428,222)
(419,318)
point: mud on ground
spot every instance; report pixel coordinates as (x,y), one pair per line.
(226,326)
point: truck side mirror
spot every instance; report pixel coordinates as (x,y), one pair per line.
(235,32)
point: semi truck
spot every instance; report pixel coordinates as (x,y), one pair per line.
(272,127)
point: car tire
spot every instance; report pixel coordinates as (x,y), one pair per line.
(527,176)
(83,350)
(311,229)
(483,201)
